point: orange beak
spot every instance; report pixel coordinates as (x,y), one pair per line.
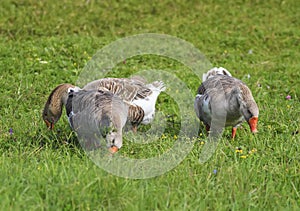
(113,149)
(253,124)
(50,125)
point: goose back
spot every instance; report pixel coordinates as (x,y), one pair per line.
(126,88)
(231,96)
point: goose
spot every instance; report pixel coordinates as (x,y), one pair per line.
(97,113)
(91,113)
(223,95)
(136,92)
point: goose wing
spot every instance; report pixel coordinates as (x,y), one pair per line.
(126,88)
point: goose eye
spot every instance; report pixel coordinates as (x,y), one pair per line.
(249,112)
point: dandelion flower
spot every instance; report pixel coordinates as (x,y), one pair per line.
(238,150)
(243,156)
(252,151)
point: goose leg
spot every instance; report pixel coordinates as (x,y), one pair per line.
(134,128)
(207,127)
(233,133)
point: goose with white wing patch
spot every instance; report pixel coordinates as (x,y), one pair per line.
(92,114)
(134,91)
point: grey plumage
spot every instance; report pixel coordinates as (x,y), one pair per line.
(134,91)
(96,113)
(127,89)
(226,99)
(93,114)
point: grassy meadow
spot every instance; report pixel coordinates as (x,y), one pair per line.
(46,43)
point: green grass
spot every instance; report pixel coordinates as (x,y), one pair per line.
(39,171)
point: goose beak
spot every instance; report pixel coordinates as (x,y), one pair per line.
(113,149)
(50,125)
(253,124)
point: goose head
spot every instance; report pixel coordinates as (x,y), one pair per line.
(53,107)
(249,110)
(250,114)
(116,139)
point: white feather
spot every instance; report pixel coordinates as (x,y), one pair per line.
(148,103)
(74,89)
(215,71)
